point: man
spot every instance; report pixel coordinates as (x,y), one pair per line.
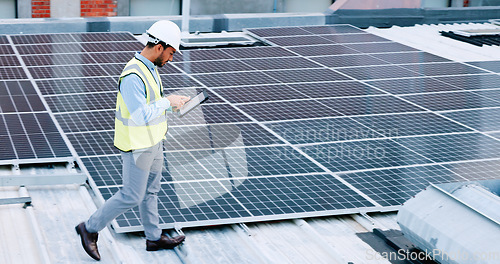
(140,128)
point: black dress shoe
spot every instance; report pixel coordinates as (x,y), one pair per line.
(89,241)
(164,243)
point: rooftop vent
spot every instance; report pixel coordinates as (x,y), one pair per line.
(478,37)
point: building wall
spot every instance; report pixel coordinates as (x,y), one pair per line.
(40,8)
(98,8)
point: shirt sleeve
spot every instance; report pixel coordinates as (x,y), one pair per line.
(134,95)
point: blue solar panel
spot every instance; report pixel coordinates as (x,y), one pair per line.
(329,120)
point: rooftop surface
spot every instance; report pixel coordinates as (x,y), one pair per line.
(48,225)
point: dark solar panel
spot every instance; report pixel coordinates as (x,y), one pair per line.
(321,50)
(9,73)
(42,39)
(8,60)
(275,127)
(77,85)
(87,121)
(235,79)
(82,102)
(6,49)
(287,110)
(281,63)
(451,101)
(110,47)
(58,59)
(306,75)
(298,41)
(260,93)
(409,57)
(30,136)
(456,147)
(49,48)
(323,130)
(370,105)
(3,39)
(493,66)
(378,72)
(380,47)
(395,186)
(413,85)
(472,82)
(363,155)
(257,52)
(273,32)
(436,69)
(67,71)
(104,37)
(481,119)
(348,60)
(333,29)
(354,38)
(334,89)
(402,125)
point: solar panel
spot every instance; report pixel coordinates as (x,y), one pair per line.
(364,155)
(480,119)
(10,73)
(348,60)
(493,66)
(393,186)
(8,60)
(30,136)
(330,120)
(413,85)
(402,125)
(451,101)
(472,82)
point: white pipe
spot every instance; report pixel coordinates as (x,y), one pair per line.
(186,6)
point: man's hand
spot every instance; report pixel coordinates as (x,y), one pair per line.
(177,101)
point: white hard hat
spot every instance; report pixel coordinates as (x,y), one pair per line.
(166,31)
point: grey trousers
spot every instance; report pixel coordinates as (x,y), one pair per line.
(141,183)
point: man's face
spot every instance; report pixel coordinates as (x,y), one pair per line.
(165,56)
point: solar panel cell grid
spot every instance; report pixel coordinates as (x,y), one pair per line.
(298,41)
(77,85)
(348,60)
(334,89)
(42,38)
(86,121)
(58,59)
(364,155)
(402,125)
(288,110)
(354,38)
(493,66)
(221,166)
(8,60)
(451,101)
(472,82)
(9,73)
(457,147)
(395,186)
(6,49)
(50,48)
(67,71)
(481,119)
(413,85)
(370,105)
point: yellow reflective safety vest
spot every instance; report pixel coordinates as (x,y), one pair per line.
(128,134)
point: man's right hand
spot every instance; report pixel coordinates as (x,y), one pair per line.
(177,101)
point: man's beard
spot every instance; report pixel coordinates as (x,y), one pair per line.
(158,62)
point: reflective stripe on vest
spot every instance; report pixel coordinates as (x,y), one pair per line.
(128,134)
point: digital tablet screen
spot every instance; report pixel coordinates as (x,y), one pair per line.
(193,103)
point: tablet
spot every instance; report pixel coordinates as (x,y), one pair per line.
(193,103)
